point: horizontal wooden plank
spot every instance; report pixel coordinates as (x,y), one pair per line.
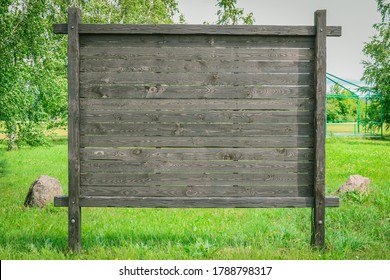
(194,191)
(229,154)
(196,179)
(279,30)
(197,202)
(93,78)
(106,104)
(195,92)
(195,66)
(196,53)
(194,130)
(194,117)
(163,166)
(182,40)
(227,142)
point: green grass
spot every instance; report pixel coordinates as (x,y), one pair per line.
(359,229)
(351,128)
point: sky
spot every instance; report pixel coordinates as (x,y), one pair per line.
(344,54)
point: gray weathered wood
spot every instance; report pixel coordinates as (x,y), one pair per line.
(194,117)
(163,166)
(102,104)
(195,66)
(196,179)
(191,41)
(199,53)
(194,130)
(198,202)
(224,142)
(318,232)
(198,29)
(193,92)
(199,191)
(74,209)
(95,78)
(229,154)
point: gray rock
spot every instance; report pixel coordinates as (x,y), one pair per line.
(42,191)
(355,183)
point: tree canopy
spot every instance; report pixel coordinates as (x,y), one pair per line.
(377,65)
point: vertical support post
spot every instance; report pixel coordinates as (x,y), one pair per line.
(74,209)
(318,211)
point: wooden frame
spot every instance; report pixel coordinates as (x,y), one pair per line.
(196,116)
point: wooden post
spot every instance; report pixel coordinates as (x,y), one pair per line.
(74,209)
(318,213)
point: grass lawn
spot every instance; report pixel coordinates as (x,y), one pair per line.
(359,229)
(351,128)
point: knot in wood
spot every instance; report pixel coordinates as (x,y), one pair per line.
(215,76)
(153,90)
(154,117)
(179,130)
(269,177)
(200,117)
(137,151)
(228,156)
(281,150)
(98,90)
(117,117)
(190,191)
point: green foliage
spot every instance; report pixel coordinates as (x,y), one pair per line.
(3,164)
(32,72)
(377,65)
(125,11)
(228,13)
(341,106)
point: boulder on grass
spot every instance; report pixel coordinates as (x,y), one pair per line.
(43,191)
(355,183)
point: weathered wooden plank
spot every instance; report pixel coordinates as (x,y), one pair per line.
(206,53)
(194,130)
(163,166)
(194,117)
(74,209)
(229,154)
(182,40)
(197,202)
(227,142)
(105,104)
(197,29)
(318,232)
(196,179)
(93,78)
(195,66)
(194,92)
(196,191)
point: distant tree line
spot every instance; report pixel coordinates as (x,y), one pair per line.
(377,64)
